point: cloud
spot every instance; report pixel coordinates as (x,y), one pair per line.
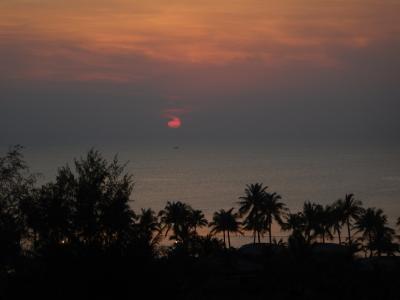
(123,41)
(294,69)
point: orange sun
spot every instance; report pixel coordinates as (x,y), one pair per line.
(175,122)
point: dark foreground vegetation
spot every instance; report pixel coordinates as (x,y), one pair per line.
(77,237)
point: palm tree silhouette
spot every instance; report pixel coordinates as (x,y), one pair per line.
(148,226)
(206,245)
(325,222)
(317,221)
(337,218)
(254,223)
(250,205)
(367,222)
(271,209)
(197,219)
(182,219)
(294,222)
(310,216)
(176,217)
(148,220)
(352,209)
(225,222)
(373,226)
(314,221)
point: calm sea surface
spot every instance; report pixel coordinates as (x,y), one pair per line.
(213,177)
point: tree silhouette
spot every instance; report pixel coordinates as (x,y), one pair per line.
(338,218)
(88,205)
(256,224)
(197,219)
(148,228)
(102,200)
(374,227)
(225,222)
(49,211)
(323,222)
(271,209)
(311,220)
(79,232)
(250,207)
(16,185)
(294,222)
(177,216)
(205,246)
(298,244)
(352,209)
(11,232)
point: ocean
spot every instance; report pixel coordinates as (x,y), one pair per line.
(211,177)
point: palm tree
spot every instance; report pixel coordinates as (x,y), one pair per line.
(254,194)
(272,209)
(324,215)
(373,226)
(254,223)
(206,245)
(297,242)
(197,219)
(250,205)
(310,216)
(225,222)
(176,217)
(219,224)
(383,242)
(352,209)
(337,218)
(148,226)
(367,222)
(314,221)
(294,222)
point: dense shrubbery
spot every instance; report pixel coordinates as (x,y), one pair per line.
(79,237)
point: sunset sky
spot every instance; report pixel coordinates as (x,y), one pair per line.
(91,71)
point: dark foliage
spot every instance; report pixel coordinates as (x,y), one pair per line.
(78,238)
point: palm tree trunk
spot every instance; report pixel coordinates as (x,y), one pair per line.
(258,235)
(340,239)
(224,239)
(270,232)
(254,237)
(323,238)
(370,244)
(348,230)
(229,240)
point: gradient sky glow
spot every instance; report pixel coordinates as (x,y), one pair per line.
(287,69)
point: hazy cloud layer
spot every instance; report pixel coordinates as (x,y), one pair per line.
(101,71)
